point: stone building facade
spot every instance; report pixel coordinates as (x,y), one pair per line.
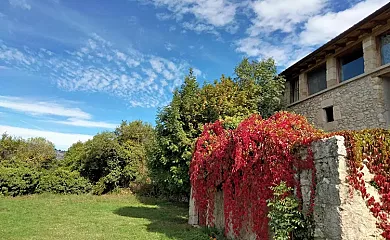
(345,84)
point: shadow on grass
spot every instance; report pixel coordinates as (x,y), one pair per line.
(169,219)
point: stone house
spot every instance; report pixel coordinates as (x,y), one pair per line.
(345,84)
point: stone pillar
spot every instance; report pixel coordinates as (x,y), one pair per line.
(193,218)
(303,88)
(331,72)
(337,216)
(370,54)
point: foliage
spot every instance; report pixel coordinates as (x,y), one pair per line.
(214,233)
(177,127)
(36,152)
(256,89)
(63,181)
(18,181)
(33,152)
(21,180)
(246,163)
(372,147)
(113,159)
(8,146)
(284,215)
(74,156)
(264,87)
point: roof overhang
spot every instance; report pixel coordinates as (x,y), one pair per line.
(354,34)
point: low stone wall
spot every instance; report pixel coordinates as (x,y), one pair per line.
(338,213)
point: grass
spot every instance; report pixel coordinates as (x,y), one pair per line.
(94,217)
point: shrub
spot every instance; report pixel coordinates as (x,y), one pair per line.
(18,181)
(63,181)
(15,181)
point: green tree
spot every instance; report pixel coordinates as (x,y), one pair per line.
(8,146)
(73,158)
(136,138)
(262,84)
(256,89)
(36,152)
(178,125)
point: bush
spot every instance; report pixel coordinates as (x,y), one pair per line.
(18,181)
(63,181)
(15,181)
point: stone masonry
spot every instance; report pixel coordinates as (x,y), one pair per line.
(357,104)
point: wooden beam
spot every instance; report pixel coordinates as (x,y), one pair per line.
(341,45)
(380,22)
(352,39)
(365,30)
(331,51)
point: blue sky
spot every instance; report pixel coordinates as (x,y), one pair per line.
(70,69)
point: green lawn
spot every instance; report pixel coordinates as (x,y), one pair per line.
(93,217)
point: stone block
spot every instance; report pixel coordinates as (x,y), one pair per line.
(327,102)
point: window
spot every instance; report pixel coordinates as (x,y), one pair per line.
(352,64)
(316,79)
(294,90)
(329,114)
(385,48)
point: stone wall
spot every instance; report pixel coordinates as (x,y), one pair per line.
(357,104)
(337,215)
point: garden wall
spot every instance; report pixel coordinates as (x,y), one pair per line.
(338,212)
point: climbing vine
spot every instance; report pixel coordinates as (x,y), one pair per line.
(249,162)
(371,149)
(246,163)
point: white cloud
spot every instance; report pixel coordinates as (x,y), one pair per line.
(20,3)
(272,15)
(291,31)
(169,46)
(200,27)
(321,28)
(86,123)
(61,140)
(207,15)
(41,108)
(215,12)
(100,67)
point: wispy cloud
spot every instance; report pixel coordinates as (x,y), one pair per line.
(20,3)
(86,123)
(100,67)
(61,140)
(208,14)
(41,108)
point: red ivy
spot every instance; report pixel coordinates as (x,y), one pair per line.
(245,163)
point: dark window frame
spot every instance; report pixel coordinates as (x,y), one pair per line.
(316,79)
(294,90)
(329,114)
(352,62)
(380,41)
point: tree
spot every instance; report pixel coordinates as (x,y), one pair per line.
(256,89)
(136,138)
(268,86)
(8,146)
(73,158)
(178,124)
(36,152)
